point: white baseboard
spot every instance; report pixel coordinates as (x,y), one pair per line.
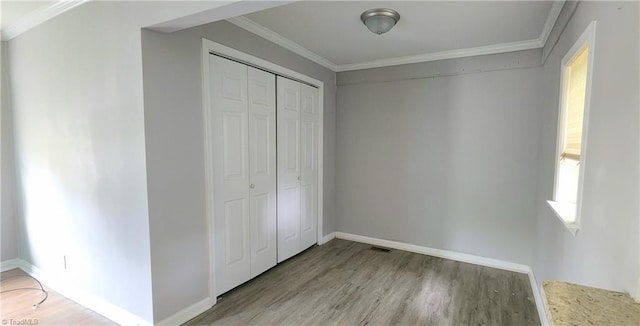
(452,255)
(124,317)
(88,300)
(9,264)
(538,295)
(461,257)
(188,313)
(327,238)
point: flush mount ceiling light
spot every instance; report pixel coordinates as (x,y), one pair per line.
(380,20)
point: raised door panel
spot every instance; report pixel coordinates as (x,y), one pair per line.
(308,166)
(235,216)
(229,114)
(234,140)
(262,144)
(289,218)
(288,130)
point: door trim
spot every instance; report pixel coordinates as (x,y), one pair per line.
(208,48)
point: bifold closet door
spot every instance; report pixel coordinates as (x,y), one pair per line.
(308,166)
(297,167)
(288,168)
(244,171)
(262,170)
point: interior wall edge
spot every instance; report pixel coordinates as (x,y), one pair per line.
(563,20)
(9,226)
(188,313)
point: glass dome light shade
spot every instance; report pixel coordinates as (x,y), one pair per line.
(380,20)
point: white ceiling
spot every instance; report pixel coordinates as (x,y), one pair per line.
(18,16)
(13,11)
(331,34)
(331,31)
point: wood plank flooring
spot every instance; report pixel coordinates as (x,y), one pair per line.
(16,307)
(346,283)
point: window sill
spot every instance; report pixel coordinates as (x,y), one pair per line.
(567,215)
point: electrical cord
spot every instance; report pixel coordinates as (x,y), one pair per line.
(41,289)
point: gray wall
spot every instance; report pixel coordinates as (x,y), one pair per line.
(7,203)
(77,101)
(605,252)
(441,157)
(174,146)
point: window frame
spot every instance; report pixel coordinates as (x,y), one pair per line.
(586,39)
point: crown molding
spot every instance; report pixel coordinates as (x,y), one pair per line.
(443,55)
(38,17)
(554,13)
(255,28)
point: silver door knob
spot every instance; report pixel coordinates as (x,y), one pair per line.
(298,178)
(252,186)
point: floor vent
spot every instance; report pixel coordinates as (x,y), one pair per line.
(380,249)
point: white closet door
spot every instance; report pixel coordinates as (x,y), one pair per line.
(288,130)
(308,166)
(231,172)
(262,169)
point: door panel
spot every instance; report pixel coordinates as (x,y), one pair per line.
(262,143)
(260,224)
(234,217)
(229,114)
(261,126)
(291,146)
(291,213)
(288,119)
(234,140)
(307,199)
(308,140)
(309,166)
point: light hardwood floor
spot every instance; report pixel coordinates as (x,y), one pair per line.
(346,283)
(16,307)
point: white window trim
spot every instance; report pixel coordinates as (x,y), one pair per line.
(561,210)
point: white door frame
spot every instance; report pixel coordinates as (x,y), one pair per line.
(208,48)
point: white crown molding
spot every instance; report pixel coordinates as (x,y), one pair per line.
(38,17)
(443,55)
(554,13)
(286,43)
(255,28)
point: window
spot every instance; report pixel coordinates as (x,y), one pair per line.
(573,117)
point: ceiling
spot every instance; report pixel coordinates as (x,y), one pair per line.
(18,16)
(331,33)
(12,12)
